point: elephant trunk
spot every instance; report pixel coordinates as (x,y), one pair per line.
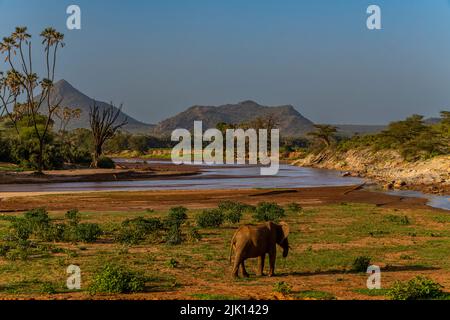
(285,246)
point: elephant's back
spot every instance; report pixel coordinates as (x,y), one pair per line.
(253,237)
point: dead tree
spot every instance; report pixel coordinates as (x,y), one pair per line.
(104,124)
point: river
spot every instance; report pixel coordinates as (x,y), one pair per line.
(220,177)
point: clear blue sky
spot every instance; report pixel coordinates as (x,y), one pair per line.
(159,57)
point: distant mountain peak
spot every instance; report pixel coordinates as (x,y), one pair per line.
(64,86)
(249,102)
(291,122)
(73,98)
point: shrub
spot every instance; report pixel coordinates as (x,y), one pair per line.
(232,211)
(88,232)
(177,216)
(282,287)
(268,211)
(210,218)
(233,216)
(132,231)
(173,235)
(20,229)
(361,263)
(53,232)
(294,207)
(73,216)
(194,235)
(415,289)
(21,250)
(106,163)
(38,221)
(115,279)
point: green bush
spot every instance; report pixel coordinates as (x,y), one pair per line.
(106,163)
(174,235)
(73,216)
(232,211)
(194,235)
(21,250)
(176,216)
(210,218)
(53,232)
(38,221)
(88,232)
(133,231)
(418,288)
(115,279)
(268,211)
(20,229)
(361,263)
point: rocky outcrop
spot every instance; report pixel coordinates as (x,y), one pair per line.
(386,167)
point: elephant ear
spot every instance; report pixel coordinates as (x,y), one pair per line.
(285,229)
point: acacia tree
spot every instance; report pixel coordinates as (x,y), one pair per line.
(325,133)
(104,124)
(21,81)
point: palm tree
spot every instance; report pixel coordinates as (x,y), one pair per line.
(21,80)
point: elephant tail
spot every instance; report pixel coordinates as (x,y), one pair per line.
(233,242)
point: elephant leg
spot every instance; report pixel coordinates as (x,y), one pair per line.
(261,264)
(244,272)
(237,262)
(272,258)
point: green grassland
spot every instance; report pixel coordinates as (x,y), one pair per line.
(325,241)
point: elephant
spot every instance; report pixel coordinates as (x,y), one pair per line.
(252,241)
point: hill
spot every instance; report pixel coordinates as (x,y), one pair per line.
(291,122)
(73,98)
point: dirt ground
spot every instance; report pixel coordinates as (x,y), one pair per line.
(122,172)
(336,225)
(198,199)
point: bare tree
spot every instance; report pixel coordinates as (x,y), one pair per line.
(104,124)
(21,80)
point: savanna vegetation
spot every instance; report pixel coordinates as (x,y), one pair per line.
(181,253)
(33,122)
(413,138)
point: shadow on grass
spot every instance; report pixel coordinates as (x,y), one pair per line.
(343,271)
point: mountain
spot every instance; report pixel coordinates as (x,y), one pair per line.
(73,98)
(291,122)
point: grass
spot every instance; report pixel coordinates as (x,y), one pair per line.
(207,296)
(325,242)
(315,295)
(10,168)
(372,292)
